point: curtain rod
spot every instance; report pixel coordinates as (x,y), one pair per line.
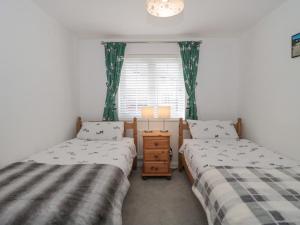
(145,42)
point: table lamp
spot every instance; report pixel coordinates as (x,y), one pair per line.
(164,112)
(147,113)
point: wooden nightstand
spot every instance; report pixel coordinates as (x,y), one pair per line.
(156,154)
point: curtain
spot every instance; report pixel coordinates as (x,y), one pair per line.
(114,57)
(189,51)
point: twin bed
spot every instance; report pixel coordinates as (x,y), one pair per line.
(81,181)
(238,182)
(84,180)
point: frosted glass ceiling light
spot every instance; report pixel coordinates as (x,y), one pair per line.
(164,8)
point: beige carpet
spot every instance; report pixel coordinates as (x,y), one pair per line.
(158,201)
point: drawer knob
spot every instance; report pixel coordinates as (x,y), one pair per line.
(155,143)
(156,156)
(154,168)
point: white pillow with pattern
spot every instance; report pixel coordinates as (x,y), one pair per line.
(212,129)
(108,131)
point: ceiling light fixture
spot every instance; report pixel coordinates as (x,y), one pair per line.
(164,8)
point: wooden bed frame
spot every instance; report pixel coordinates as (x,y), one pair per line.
(127,126)
(183,125)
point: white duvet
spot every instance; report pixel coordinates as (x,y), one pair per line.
(204,153)
(77,151)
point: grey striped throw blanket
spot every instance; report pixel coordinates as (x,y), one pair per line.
(250,196)
(37,194)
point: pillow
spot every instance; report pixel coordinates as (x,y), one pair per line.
(109,131)
(212,129)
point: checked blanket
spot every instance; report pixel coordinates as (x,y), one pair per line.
(37,194)
(249,195)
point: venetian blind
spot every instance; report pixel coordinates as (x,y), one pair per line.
(148,80)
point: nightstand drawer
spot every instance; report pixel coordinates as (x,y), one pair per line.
(158,143)
(157,167)
(156,155)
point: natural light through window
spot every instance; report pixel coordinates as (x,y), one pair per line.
(151,80)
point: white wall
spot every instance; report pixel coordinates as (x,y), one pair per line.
(217,79)
(38,87)
(270,81)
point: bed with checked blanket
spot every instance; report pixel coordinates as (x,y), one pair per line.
(250,195)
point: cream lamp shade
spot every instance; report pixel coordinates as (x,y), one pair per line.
(147,112)
(164,112)
(164,8)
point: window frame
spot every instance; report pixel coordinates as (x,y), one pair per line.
(177,56)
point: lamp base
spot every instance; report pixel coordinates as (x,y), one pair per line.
(164,131)
(148,131)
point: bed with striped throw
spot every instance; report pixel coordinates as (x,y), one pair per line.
(37,194)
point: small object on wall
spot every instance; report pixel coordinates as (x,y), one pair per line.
(296,45)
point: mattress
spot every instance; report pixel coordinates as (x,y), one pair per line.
(201,154)
(81,194)
(250,195)
(77,151)
(240,182)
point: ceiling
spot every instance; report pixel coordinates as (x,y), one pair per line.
(119,18)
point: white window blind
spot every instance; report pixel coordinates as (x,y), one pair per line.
(148,80)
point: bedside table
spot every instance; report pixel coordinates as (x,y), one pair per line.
(156,154)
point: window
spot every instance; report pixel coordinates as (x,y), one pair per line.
(148,80)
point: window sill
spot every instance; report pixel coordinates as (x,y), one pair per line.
(153,120)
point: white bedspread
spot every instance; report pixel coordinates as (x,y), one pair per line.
(204,153)
(77,151)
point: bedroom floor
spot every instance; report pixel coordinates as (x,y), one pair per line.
(158,201)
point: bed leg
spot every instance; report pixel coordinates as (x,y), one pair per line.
(134,165)
(180,165)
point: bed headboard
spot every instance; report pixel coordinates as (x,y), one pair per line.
(127,126)
(183,125)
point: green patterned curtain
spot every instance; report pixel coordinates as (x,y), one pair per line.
(189,51)
(114,57)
